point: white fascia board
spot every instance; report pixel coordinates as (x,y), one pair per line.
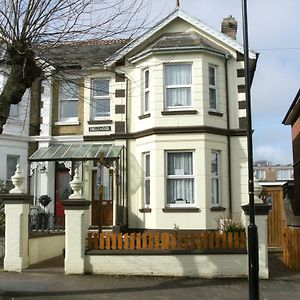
(181,14)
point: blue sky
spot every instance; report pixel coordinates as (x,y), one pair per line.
(274,33)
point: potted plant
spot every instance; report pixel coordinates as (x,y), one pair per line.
(44,200)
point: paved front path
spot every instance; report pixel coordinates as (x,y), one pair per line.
(57,286)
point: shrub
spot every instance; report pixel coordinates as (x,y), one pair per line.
(230,224)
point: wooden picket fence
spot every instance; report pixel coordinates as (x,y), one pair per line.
(209,240)
(291,247)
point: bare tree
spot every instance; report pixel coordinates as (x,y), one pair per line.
(29,29)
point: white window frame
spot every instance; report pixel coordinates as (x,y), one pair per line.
(213,87)
(175,86)
(146,179)
(190,176)
(60,100)
(216,178)
(99,98)
(146,91)
(280,173)
(17,110)
(260,174)
(17,157)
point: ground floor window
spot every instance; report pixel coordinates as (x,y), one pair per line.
(147,179)
(180,178)
(215,175)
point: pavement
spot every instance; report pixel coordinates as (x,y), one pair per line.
(47,281)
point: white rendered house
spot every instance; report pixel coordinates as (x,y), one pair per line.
(166,111)
(14,139)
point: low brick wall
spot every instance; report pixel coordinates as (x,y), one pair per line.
(191,265)
(45,247)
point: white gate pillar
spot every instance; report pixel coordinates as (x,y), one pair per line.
(76,208)
(16,225)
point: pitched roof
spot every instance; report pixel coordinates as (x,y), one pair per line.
(179,13)
(293,112)
(82,54)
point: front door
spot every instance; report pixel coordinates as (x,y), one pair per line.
(102,203)
(62,191)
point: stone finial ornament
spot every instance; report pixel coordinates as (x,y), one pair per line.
(17,181)
(257,191)
(76,185)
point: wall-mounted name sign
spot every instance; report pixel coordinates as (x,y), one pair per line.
(99,128)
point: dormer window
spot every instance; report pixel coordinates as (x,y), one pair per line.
(100,98)
(178,85)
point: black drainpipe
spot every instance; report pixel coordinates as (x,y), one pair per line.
(227,57)
(126,150)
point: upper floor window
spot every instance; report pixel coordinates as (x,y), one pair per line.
(14,111)
(180,178)
(100,98)
(260,174)
(178,86)
(68,99)
(146,92)
(147,179)
(215,176)
(11,164)
(212,80)
(284,174)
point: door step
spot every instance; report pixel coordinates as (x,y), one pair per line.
(104,228)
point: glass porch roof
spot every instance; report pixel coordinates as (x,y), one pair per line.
(76,152)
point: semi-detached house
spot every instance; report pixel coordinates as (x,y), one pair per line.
(166,110)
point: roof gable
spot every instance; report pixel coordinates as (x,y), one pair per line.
(178,13)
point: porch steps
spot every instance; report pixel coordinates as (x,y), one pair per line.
(104,229)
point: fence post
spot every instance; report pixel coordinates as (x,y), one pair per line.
(75,228)
(16,225)
(261,220)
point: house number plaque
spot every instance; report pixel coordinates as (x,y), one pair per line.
(99,128)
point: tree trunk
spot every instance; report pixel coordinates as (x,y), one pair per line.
(23,72)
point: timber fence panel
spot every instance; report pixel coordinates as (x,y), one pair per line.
(204,240)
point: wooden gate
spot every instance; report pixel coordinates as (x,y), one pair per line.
(275,220)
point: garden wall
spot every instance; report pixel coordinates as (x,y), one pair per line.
(190,265)
(45,247)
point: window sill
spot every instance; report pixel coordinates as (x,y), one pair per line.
(215,113)
(66,123)
(179,112)
(96,122)
(180,209)
(144,116)
(145,210)
(217,208)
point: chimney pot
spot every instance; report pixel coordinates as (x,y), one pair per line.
(229,27)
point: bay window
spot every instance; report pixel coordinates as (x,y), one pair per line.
(212,74)
(180,178)
(215,177)
(100,98)
(68,100)
(178,85)
(146,92)
(147,179)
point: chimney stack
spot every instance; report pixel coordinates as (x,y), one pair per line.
(229,27)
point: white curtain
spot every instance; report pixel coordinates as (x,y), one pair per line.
(180,165)
(177,75)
